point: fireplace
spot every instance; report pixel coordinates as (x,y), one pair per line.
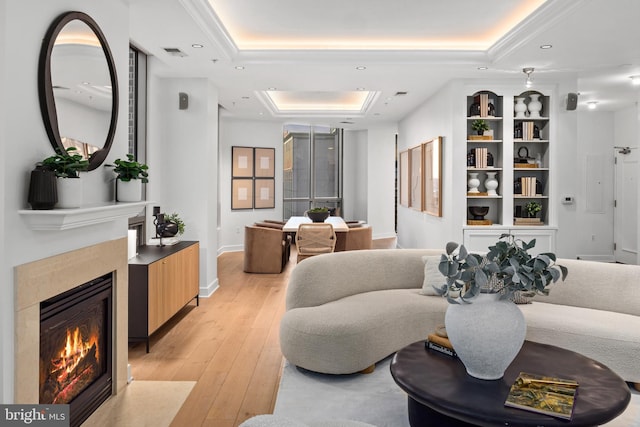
(45,280)
(75,348)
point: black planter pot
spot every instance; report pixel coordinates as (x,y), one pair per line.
(43,191)
(318,216)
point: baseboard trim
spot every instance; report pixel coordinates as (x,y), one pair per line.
(207,291)
(600,258)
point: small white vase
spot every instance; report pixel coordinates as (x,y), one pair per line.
(520,108)
(473,182)
(69,192)
(535,106)
(487,334)
(491,184)
(129,191)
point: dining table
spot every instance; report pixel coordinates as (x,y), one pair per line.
(293,222)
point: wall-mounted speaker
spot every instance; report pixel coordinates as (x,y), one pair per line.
(572,101)
(183,101)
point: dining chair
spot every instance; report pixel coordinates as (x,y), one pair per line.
(314,239)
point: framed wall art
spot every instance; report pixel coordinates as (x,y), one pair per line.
(432,151)
(241,193)
(404,178)
(264,193)
(264,162)
(416,182)
(242,162)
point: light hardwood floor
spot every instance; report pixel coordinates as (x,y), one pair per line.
(228,345)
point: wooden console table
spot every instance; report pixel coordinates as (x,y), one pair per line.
(162,280)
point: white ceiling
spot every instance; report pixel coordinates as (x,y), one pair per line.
(311,48)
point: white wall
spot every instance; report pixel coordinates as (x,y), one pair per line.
(430,120)
(245,133)
(182,152)
(23,133)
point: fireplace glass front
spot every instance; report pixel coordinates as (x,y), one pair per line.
(75,348)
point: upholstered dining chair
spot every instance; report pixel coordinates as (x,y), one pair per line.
(314,239)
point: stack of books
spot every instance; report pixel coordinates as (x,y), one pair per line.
(440,344)
(527,131)
(481,157)
(543,395)
(528,184)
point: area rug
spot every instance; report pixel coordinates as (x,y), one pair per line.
(143,404)
(372,398)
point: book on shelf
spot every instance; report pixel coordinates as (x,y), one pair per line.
(543,394)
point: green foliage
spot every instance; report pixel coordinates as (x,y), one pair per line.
(130,169)
(67,164)
(479,125)
(532,208)
(176,220)
(314,210)
(508,263)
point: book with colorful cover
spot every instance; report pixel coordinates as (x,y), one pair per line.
(543,394)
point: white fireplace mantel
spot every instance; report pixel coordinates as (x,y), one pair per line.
(65,219)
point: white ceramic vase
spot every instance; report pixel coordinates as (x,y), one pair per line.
(487,334)
(129,191)
(473,182)
(69,192)
(491,184)
(520,108)
(535,106)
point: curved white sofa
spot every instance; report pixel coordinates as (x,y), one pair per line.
(347,310)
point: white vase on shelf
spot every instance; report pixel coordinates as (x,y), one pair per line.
(69,192)
(535,106)
(473,182)
(491,184)
(520,108)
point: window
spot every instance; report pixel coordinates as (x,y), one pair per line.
(312,168)
(137,124)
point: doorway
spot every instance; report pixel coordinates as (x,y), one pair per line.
(625,223)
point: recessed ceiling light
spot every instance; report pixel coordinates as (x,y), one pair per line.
(483,68)
(360,88)
(546,46)
(635,80)
(592,105)
(360,67)
(245,97)
(197,46)
(239,67)
(272,88)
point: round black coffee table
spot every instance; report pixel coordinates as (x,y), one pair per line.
(442,394)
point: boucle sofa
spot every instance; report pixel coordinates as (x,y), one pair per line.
(347,310)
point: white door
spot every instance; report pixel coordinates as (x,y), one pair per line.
(625,226)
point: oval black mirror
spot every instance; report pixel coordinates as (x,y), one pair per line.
(78,87)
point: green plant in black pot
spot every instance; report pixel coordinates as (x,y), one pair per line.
(129,169)
(175,218)
(318,214)
(479,125)
(66,164)
(532,209)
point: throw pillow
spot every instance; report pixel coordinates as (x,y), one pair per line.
(432,275)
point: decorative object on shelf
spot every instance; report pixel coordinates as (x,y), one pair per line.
(535,106)
(482,106)
(66,167)
(517,131)
(473,183)
(478,212)
(484,326)
(532,208)
(474,109)
(520,108)
(491,184)
(318,214)
(479,125)
(536,132)
(489,159)
(167,227)
(481,157)
(175,219)
(43,194)
(471,158)
(130,177)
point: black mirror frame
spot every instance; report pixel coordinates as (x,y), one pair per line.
(45,87)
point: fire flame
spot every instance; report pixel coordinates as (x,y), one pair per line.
(75,349)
